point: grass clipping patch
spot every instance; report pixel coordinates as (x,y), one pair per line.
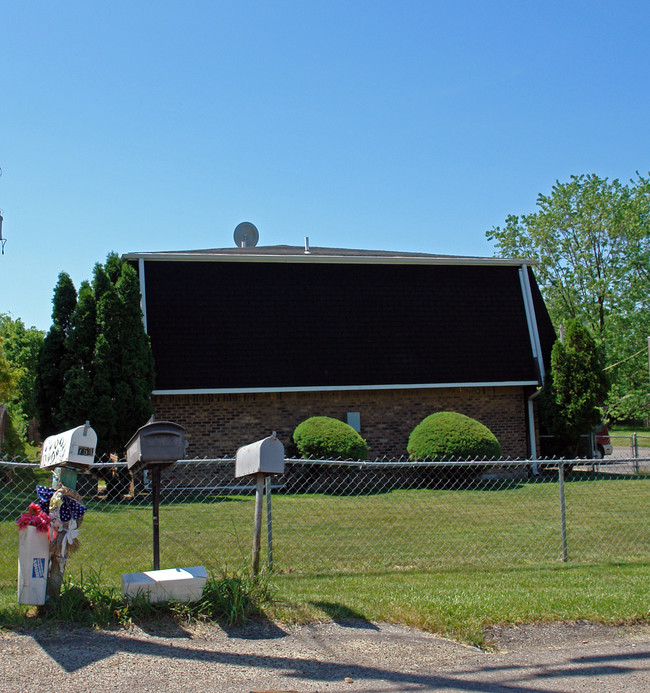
(226,599)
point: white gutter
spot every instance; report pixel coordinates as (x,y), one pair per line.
(143,293)
(531,319)
(536,348)
(311,257)
(531,427)
(334,388)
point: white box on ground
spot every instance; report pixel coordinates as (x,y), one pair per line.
(265,456)
(178,584)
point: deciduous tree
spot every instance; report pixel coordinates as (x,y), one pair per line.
(591,240)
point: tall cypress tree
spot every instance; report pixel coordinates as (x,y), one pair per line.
(76,405)
(52,362)
(137,376)
(105,372)
(574,389)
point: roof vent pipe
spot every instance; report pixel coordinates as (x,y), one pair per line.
(307,251)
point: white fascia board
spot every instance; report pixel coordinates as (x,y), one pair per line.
(340,388)
(143,293)
(325,259)
(531,320)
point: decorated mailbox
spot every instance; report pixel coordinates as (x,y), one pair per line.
(49,530)
(262,457)
(73,448)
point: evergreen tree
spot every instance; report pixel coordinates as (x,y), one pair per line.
(107,367)
(574,389)
(77,398)
(137,376)
(52,362)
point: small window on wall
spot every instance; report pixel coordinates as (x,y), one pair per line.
(354,420)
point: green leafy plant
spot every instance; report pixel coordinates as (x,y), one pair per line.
(323,437)
(449,435)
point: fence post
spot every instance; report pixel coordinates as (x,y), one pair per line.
(635,452)
(562,510)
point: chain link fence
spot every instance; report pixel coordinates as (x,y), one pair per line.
(325,516)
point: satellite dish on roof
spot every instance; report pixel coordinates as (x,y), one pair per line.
(246,235)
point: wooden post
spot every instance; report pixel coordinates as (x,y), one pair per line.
(259,495)
(269,525)
(57,559)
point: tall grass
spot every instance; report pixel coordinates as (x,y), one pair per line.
(87,601)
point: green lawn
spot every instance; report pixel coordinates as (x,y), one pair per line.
(461,603)
(447,560)
(620,435)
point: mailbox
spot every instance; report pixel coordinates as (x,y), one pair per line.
(158,443)
(263,457)
(73,448)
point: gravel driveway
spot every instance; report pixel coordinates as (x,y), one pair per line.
(353,656)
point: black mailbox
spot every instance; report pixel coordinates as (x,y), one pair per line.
(156,444)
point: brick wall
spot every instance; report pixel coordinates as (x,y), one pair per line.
(218,424)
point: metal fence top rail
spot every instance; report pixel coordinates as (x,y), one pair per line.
(391,463)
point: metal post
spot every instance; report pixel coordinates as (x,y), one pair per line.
(635,452)
(269,524)
(155,497)
(259,494)
(563,512)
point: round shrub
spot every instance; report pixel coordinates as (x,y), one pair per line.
(322,437)
(449,435)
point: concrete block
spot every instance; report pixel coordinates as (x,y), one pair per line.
(178,584)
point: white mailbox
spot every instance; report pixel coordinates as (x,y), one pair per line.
(73,448)
(263,457)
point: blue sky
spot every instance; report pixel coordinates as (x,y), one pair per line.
(407,125)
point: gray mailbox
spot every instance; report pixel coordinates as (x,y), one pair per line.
(262,457)
(158,443)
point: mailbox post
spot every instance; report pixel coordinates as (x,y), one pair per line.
(154,446)
(260,459)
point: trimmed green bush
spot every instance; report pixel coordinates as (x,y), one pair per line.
(322,437)
(449,435)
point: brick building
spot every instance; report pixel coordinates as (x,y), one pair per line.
(254,339)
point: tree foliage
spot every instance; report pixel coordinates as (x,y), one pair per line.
(21,346)
(106,367)
(574,391)
(19,349)
(591,240)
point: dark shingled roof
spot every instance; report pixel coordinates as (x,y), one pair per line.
(263,324)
